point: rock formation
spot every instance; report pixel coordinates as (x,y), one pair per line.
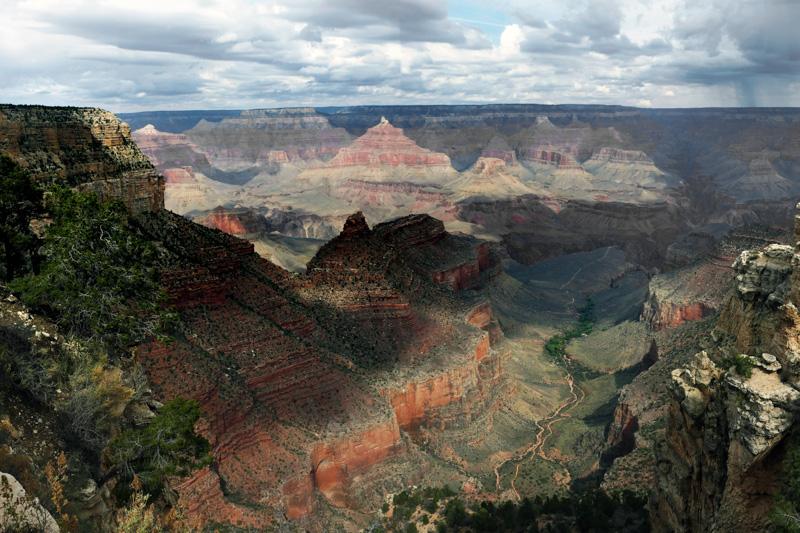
(489,178)
(21,512)
(720,463)
(385,154)
(281,365)
(84,147)
(297,135)
(386,145)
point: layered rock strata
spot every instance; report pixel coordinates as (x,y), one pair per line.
(84,147)
(285,367)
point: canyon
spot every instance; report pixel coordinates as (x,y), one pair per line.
(704,171)
(368,298)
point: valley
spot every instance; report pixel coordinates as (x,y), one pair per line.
(490,298)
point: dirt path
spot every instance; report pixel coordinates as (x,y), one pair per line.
(544,432)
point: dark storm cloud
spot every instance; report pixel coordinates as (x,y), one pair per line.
(591,27)
(763,32)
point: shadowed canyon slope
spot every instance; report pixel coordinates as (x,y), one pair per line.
(560,300)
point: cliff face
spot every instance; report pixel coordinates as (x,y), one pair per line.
(84,147)
(309,383)
(719,464)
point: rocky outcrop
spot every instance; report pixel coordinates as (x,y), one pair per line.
(336,464)
(692,292)
(719,465)
(716,470)
(21,512)
(560,158)
(83,147)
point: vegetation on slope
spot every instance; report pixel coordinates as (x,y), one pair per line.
(99,277)
(20,202)
(588,511)
(556,346)
(167,446)
(90,277)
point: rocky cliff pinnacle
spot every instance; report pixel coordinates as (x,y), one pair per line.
(734,405)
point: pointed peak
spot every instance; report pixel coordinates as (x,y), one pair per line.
(149,129)
(356,224)
(384,121)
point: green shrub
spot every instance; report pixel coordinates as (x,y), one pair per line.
(167,446)
(556,346)
(99,277)
(742,364)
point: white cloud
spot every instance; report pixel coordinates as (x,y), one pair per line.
(251,53)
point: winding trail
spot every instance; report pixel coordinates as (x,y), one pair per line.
(544,432)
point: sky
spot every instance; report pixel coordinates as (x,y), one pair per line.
(133,55)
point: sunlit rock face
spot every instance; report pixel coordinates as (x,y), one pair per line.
(385,144)
(86,147)
(383,154)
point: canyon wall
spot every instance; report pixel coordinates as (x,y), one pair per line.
(83,147)
(719,465)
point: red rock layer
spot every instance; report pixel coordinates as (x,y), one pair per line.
(153,142)
(337,463)
(450,397)
(412,197)
(256,354)
(386,145)
(672,315)
(243,223)
(549,155)
(482,317)
(468,274)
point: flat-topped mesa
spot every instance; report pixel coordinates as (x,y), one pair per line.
(83,147)
(618,155)
(386,145)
